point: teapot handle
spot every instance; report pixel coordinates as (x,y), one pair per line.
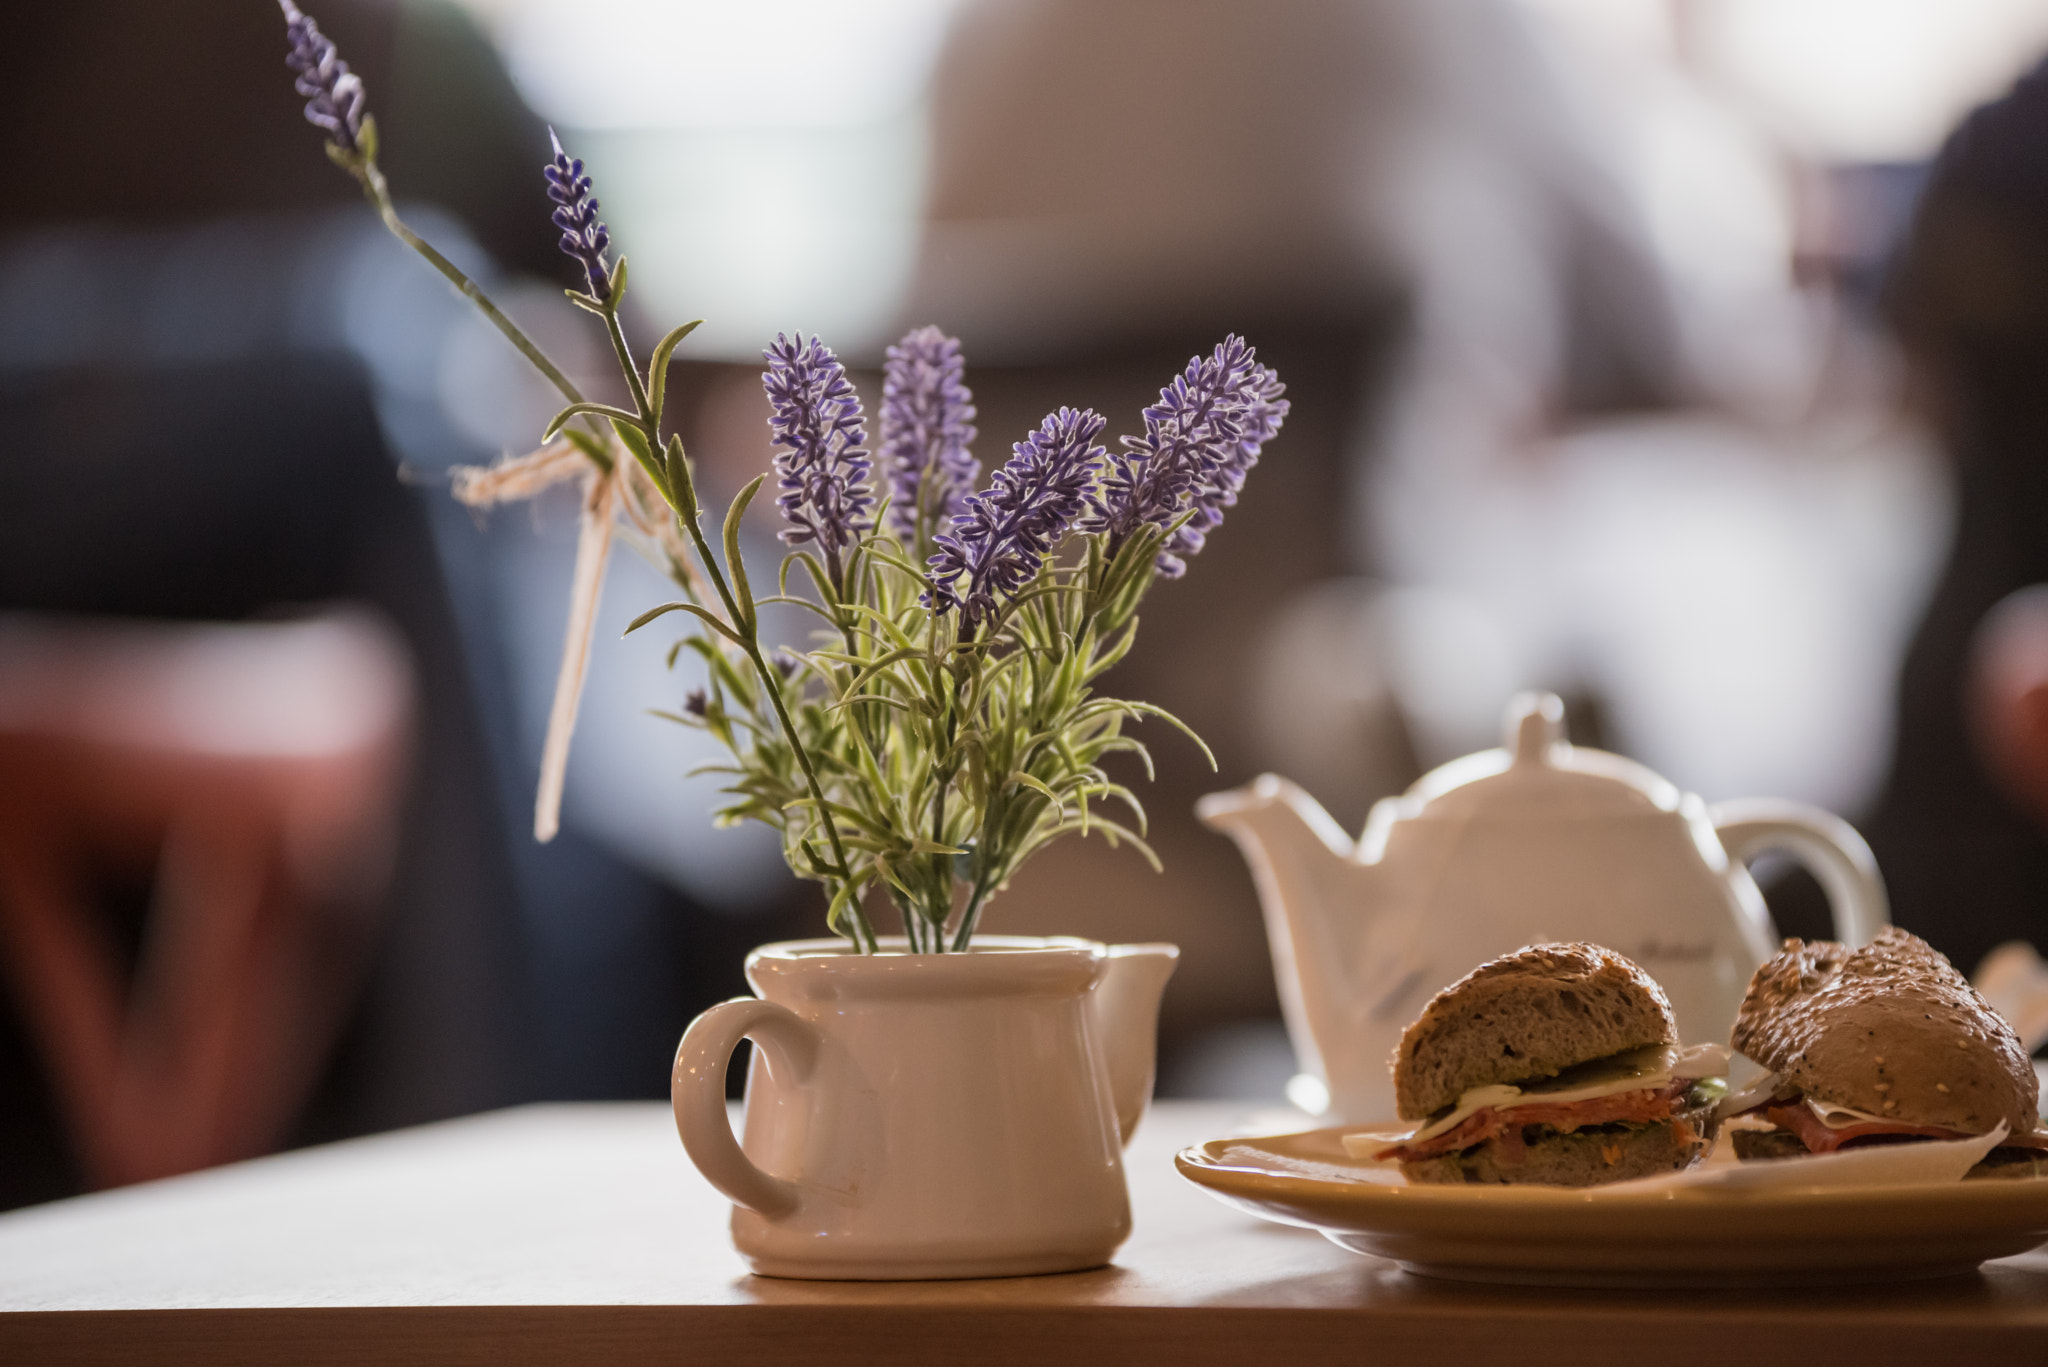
(1828,846)
(697,1092)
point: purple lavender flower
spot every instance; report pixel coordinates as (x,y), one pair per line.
(334,94)
(1007,530)
(1258,422)
(695,703)
(822,466)
(583,237)
(926,429)
(1192,435)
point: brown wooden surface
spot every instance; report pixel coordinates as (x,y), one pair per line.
(580,1234)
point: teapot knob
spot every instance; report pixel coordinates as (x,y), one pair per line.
(1535,723)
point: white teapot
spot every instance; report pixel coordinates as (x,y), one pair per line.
(1540,840)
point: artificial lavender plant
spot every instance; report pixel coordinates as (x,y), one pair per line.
(944,727)
(950,708)
(652,494)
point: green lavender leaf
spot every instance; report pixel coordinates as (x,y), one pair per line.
(735,565)
(875,667)
(793,601)
(657,368)
(635,440)
(819,578)
(886,700)
(592,449)
(702,614)
(835,914)
(680,486)
(1026,780)
(561,419)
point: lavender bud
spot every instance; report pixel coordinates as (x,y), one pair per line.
(1193,432)
(1003,537)
(695,703)
(583,237)
(822,467)
(926,429)
(334,94)
(1258,422)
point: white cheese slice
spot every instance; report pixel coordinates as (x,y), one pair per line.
(1635,1071)
(1755,1093)
(1842,1117)
(1834,1116)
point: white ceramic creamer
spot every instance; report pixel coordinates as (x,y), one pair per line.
(928,1115)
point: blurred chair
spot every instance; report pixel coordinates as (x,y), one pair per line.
(257,770)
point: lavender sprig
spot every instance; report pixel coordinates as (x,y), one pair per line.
(334,94)
(583,236)
(1258,421)
(927,413)
(1006,532)
(1190,435)
(336,106)
(822,468)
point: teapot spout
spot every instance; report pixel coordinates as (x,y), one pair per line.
(1124,1010)
(1317,895)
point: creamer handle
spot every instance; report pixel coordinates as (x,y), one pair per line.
(696,1090)
(1828,846)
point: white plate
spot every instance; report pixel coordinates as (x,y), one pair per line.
(1616,1235)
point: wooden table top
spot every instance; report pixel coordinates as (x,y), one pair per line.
(565,1234)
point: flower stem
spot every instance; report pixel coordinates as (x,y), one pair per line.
(641,403)
(971,917)
(379,195)
(942,864)
(771,681)
(749,633)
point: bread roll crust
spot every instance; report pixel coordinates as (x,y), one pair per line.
(1525,1016)
(1891,1029)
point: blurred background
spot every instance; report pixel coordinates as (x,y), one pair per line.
(1688,358)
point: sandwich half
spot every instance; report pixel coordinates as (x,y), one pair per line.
(1557,1065)
(1886,1044)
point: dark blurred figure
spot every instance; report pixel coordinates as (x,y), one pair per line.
(1964,856)
(194,433)
(163,114)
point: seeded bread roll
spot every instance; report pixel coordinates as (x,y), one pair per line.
(1890,1028)
(1527,1015)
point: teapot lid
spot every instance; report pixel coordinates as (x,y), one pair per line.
(1537,773)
